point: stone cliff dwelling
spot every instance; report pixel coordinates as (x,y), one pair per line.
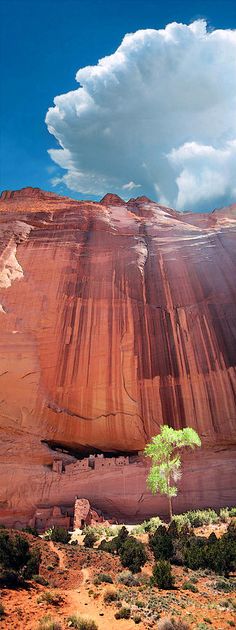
(81,513)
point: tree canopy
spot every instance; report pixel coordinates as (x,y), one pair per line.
(164,450)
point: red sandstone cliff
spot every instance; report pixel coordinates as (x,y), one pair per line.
(114,318)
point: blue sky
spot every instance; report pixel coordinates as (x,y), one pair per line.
(44,43)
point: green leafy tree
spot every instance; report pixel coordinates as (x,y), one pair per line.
(164,451)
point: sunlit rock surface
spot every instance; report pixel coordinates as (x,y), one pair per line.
(114,318)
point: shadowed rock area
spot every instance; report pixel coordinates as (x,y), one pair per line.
(114,318)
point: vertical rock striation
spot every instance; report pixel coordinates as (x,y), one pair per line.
(115,317)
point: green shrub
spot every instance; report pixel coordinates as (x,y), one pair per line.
(232,512)
(153,524)
(81,624)
(198,518)
(128,579)
(48,623)
(161,544)
(17,562)
(48,534)
(50,598)
(60,534)
(30,530)
(90,539)
(218,555)
(32,564)
(102,577)
(147,526)
(189,586)
(224,585)
(137,618)
(39,579)
(123,613)
(108,545)
(172,530)
(231,532)
(132,554)
(224,515)
(162,575)
(2,610)
(182,523)
(110,596)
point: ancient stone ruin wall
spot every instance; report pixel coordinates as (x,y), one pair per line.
(46,517)
(93,462)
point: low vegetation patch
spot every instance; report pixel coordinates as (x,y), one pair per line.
(162,576)
(128,579)
(90,539)
(17,561)
(102,577)
(2,610)
(74,621)
(161,544)
(50,598)
(132,554)
(48,623)
(60,534)
(123,613)
(111,596)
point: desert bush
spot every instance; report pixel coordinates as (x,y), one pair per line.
(147,526)
(172,530)
(182,523)
(172,624)
(47,534)
(113,546)
(128,579)
(102,577)
(30,530)
(90,539)
(224,515)
(39,579)
(48,623)
(17,562)
(2,610)
(218,555)
(162,575)
(161,544)
(232,511)
(60,534)
(50,598)
(137,618)
(153,524)
(81,624)
(110,596)
(107,545)
(132,554)
(189,586)
(198,518)
(123,613)
(230,534)
(119,540)
(227,586)
(32,566)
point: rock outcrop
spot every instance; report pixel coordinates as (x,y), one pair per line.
(115,318)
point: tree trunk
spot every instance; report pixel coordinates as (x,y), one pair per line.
(170,508)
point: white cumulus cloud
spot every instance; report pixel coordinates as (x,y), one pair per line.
(157,117)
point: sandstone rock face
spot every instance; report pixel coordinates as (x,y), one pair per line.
(115,318)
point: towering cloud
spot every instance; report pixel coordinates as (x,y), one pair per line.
(158,117)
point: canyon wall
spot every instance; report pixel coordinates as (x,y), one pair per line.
(114,318)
